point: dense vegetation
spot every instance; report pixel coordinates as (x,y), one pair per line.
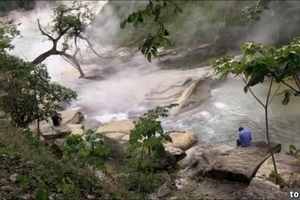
(224,23)
(7,6)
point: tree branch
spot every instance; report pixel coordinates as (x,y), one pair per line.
(61,33)
(269,92)
(259,101)
(74,60)
(44,33)
(274,93)
(281,80)
(90,45)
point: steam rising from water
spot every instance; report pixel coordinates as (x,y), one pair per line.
(113,97)
(214,121)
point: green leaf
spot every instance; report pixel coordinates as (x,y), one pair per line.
(154,53)
(135,23)
(245,89)
(42,194)
(131,18)
(123,24)
(286,99)
(258,75)
(149,57)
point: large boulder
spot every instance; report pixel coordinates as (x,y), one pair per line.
(182,140)
(231,163)
(197,91)
(261,185)
(186,88)
(177,153)
(71,117)
(50,132)
(77,129)
(191,154)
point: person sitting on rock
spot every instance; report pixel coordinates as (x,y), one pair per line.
(244,139)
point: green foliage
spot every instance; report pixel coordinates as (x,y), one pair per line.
(261,61)
(33,172)
(70,21)
(7,33)
(87,149)
(294,150)
(146,148)
(154,9)
(6,6)
(200,22)
(29,94)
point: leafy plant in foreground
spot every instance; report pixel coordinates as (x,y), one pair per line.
(146,147)
(87,149)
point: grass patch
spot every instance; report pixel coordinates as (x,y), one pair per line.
(29,170)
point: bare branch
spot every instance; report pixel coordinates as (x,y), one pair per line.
(274,94)
(44,33)
(245,81)
(269,92)
(282,81)
(74,60)
(90,45)
(62,33)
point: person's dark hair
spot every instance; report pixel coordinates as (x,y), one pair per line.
(241,129)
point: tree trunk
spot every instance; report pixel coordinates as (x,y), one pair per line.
(44,56)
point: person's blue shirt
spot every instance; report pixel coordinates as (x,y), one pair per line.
(245,138)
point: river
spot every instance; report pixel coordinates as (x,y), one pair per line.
(215,121)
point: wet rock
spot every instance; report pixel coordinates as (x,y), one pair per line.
(177,153)
(116,126)
(197,91)
(77,129)
(71,117)
(188,89)
(167,162)
(231,163)
(115,135)
(182,140)
(165,190)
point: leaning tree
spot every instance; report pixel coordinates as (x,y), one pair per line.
(67,26)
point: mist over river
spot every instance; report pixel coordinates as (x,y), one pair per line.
(215,121)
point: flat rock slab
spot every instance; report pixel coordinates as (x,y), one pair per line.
(182,140)
(262,188)
(231,163)
(286,166)
(124,126)
(71,117)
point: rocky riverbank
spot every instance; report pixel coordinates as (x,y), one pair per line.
(206,171)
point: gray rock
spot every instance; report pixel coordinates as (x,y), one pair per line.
(231,163)
(165,190)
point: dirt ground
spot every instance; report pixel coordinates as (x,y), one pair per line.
(210,189)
